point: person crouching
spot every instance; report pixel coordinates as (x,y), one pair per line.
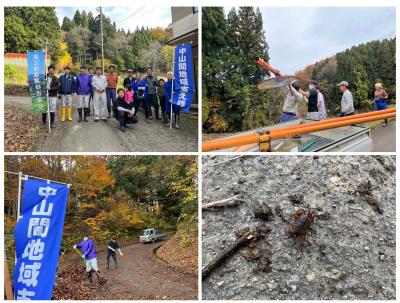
(125,109)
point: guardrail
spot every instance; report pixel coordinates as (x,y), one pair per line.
(265,136)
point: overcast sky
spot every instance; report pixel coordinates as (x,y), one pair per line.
(299,36)
(125,17)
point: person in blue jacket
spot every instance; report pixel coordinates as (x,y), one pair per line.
(67,89)
(176,109)
(140,91)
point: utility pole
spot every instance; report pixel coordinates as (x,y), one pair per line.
(102,43)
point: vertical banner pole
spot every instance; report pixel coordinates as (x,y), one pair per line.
(102,40)
(19,195)
(48,100)
(172,88)
(7,281)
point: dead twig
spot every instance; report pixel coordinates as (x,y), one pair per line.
(231,201)
(225,254)
(222,162)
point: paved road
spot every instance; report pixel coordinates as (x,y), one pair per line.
(140,276)
(106,137)
(384,138)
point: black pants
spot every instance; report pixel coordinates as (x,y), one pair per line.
(162,103)
(90,100)
(124,119)
(114,256)
(153,101)
(146,105)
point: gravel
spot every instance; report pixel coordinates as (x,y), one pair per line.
(351,254)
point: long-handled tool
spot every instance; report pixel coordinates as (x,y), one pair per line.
(279,80)
(79,253)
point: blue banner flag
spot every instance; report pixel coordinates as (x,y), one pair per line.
(38,238)
(37,81)
(183,73)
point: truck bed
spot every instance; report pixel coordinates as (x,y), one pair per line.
(346,138)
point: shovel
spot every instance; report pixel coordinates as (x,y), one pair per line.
(278,81)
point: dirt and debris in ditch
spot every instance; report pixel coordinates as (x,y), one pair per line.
(348,250)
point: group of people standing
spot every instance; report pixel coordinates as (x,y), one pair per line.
(316,104)
(101,90)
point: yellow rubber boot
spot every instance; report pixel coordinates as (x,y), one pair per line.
(62,113)
(69,110)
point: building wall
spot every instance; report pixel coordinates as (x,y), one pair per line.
(184,20)
(185,29)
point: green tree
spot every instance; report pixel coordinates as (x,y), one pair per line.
(67,24)
(84,19)
(27,28)
(77,18)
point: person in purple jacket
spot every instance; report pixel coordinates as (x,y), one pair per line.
(83,90)
(88,249)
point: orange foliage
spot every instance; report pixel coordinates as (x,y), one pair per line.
(91,176)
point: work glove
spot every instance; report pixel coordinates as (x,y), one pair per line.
(74,246)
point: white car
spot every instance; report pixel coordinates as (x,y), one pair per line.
(151,235)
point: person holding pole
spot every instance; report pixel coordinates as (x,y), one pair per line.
(112,247)
(67,89)
(172,86)
(99,84)
(83,90)
(52,85)
(88,249)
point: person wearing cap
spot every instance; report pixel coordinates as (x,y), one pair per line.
(111,90)
(129,79)
(99,84)
(112,248)
(152,83)
(292,99)
(346,104)
(67,89)
(83,90)
(380,99)
(312,100)
(88,249)
(52,86)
